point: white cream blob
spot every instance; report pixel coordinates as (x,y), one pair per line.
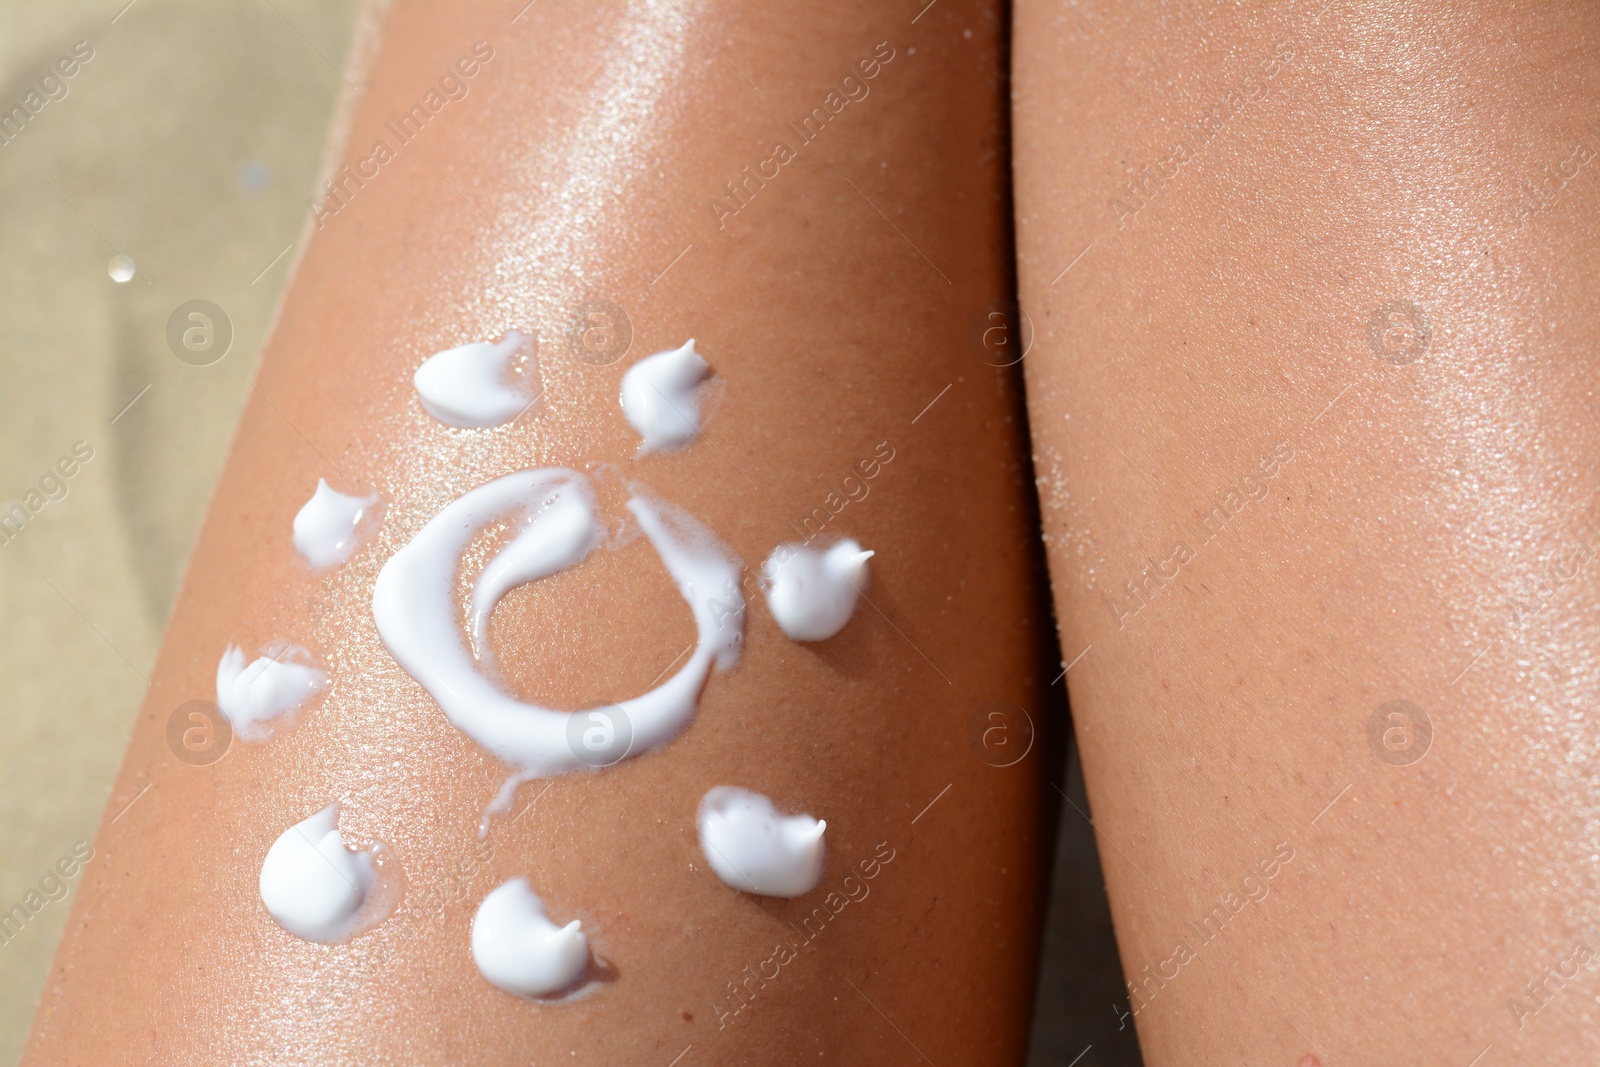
(518,948)
(277,683)
(660,400)
(417,613)
(812,593)
(472,386)
(327,528)
(313,885)
(754,848)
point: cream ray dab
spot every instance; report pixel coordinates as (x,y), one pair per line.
(756,849)
(319,889)
(328,528)
(660,397)
(520,950)
(476,385)
(262,697)
(812,593)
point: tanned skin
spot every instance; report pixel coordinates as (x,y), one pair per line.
(1313,402)
(580,173)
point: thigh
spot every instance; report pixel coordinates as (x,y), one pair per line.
(814,196)
(1313,406)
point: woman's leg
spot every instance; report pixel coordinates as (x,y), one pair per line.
(817,197)
(1313,402)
